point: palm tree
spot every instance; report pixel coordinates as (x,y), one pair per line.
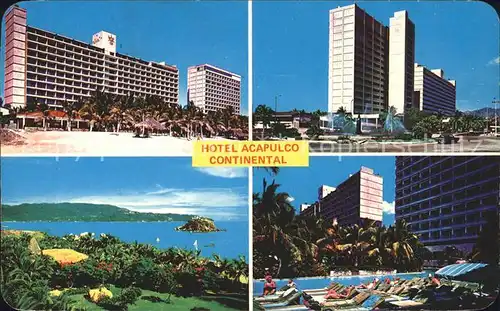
(403,245)
(71,109)
(263,114)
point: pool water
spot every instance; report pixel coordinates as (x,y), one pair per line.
(322,282)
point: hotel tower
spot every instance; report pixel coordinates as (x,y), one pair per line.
(401,61)
(358,65)
(356,199)
(211,88)
(44,67)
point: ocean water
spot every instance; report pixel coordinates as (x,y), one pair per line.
(228,244)
(322,282)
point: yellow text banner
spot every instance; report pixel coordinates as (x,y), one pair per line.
(207,153)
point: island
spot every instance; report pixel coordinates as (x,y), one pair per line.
(199,225)
(85,212)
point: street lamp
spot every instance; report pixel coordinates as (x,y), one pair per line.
(276,105)
(495,102)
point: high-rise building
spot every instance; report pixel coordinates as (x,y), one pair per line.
(45,67)
(446,200)
(357,62)
(433,93)
(211,88)
(401,60)
(357,198)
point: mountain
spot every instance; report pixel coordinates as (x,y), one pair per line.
(81,212)
(484,112)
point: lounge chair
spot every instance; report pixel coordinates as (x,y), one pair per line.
(293,299)
(341,303)
(276,298)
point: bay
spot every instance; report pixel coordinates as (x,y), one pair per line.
(227,244)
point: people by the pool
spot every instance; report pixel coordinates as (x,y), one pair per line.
(333,294)
(269,285)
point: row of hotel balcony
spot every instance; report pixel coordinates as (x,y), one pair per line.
(50,62)
(71,79)
(452,210)
(222,92)
(444,182)
(84,71)
(438,236)
(69,49)
(437,165)
(62,56)
(60,92)
(443,198)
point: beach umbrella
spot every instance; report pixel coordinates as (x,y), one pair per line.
(469,272)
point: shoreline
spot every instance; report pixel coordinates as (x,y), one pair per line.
(99,144)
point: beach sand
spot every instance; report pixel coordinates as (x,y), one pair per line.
(98,144)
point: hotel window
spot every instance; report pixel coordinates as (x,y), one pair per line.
(337,58)
(337,29)
(337,64)
(347,77)
(348,49)
(349,19)
(337,50)
(348,56)
(349,34)
(337,93)
(349,12)
(337,79)
(337,14)
(337,36)
(337,43)
(337,86)
(349,41)
(337,22)
(348,27)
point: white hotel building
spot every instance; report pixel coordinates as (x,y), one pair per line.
(211,88)
(433,93)
(401,60)
(45,67)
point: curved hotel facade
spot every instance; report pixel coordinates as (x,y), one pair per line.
(45,67)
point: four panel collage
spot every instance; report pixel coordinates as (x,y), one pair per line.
(103,207)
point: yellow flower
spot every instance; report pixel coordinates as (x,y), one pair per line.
(99,293)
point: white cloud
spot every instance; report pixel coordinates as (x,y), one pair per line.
(217,203)
(388,207)
(225,172)
(494,61)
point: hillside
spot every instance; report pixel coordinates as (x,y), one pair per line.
(483,112)
(80,212)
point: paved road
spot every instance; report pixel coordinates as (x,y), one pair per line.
(478,145)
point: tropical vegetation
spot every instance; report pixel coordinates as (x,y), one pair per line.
(292,245)
(108,112)
(117,273)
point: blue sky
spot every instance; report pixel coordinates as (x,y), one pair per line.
(290,42)
(179,33)
(303,183)
(162,185)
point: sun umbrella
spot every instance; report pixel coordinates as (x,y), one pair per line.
(469,272)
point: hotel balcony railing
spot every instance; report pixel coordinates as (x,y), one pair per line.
(449,216)
(75,55)
(468,199)
(445,181)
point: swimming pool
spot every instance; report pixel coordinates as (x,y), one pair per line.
(321,282)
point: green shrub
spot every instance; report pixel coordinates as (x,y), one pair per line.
(129,295)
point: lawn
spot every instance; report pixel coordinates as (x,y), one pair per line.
(176,304)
